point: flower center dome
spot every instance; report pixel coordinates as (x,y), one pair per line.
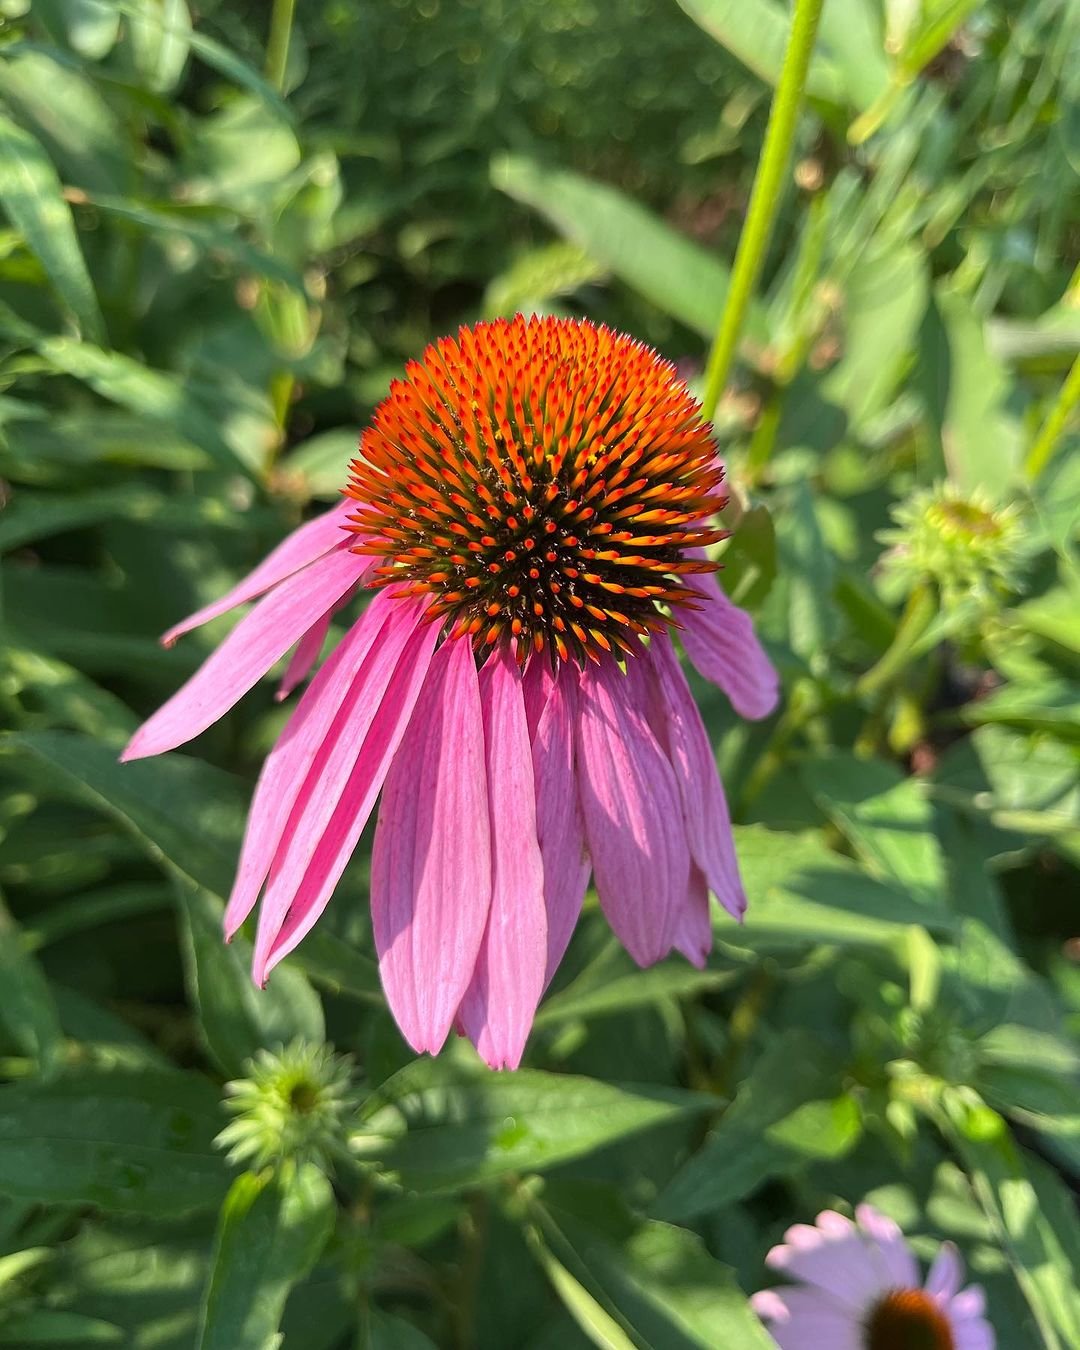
(908,1319)
(540,480)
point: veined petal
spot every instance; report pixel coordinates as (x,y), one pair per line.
(286,767)
(498,1008)
(693,926)
(304,657)
(261,638)
(298,549)
(559,825)
(720,640)
(343,783)
(431,867)
(633,815)
(704,806)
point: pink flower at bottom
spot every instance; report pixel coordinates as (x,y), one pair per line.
(530,504)
(859,1289)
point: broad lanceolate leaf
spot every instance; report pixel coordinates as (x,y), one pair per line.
(441,1125)
(129,1141)
(271,1232)
(789,1110)
(659,1284)
(186,813)
(1033,1215)
(34,201)
(677,275)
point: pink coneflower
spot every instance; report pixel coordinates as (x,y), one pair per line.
(530,504)
(859,1289)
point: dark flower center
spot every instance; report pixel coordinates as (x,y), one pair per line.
(541,480)
(908,1319)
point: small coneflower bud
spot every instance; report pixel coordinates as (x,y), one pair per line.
(294,1104)
(962,542)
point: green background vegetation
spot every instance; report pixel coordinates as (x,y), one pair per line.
(214,254)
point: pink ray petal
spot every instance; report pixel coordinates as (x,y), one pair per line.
(537,683)
(261,638)
(633,815)
(345,778)
(891,1251)
(946,1274)
(720,640)
(306,544)
(693,924)
(304,657)
(498,1008)
(704,805)
(431,867)
(286,768)
(559,825)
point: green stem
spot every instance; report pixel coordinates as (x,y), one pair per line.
(764,197)
(1042,447)
(277,47)
(920,609)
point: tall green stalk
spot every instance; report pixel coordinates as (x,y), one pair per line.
(764,197)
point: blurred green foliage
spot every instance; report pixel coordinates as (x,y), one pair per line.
(207,277)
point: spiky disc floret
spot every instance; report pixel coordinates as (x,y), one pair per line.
(540,480)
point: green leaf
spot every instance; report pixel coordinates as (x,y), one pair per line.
(887,818)
(237,1019)
(755,31)
(27,1009)
(63,696)
(592,995)
(149,393)
(126,1141)
(885,296)
(659,1284)
(1034,1216)
(272,1230)
(809,568)
(84,138)
(322,462)
(667,269)
(788,1111)
(982,438)
(160,35)
(54,1326)
(37,515)
(88,27)
(34,201)
(441,1125)
(186,813)
(338,967)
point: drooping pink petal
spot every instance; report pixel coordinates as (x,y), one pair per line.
(536,684)
(286,767)
(296,551)
(498,1008)
(431,867)
(968,1304)
(719,638)
(632,813)
(693,927)
(559,825)
(974,1336)
(704,805)
(261,638)
(342,784)
(304,657)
